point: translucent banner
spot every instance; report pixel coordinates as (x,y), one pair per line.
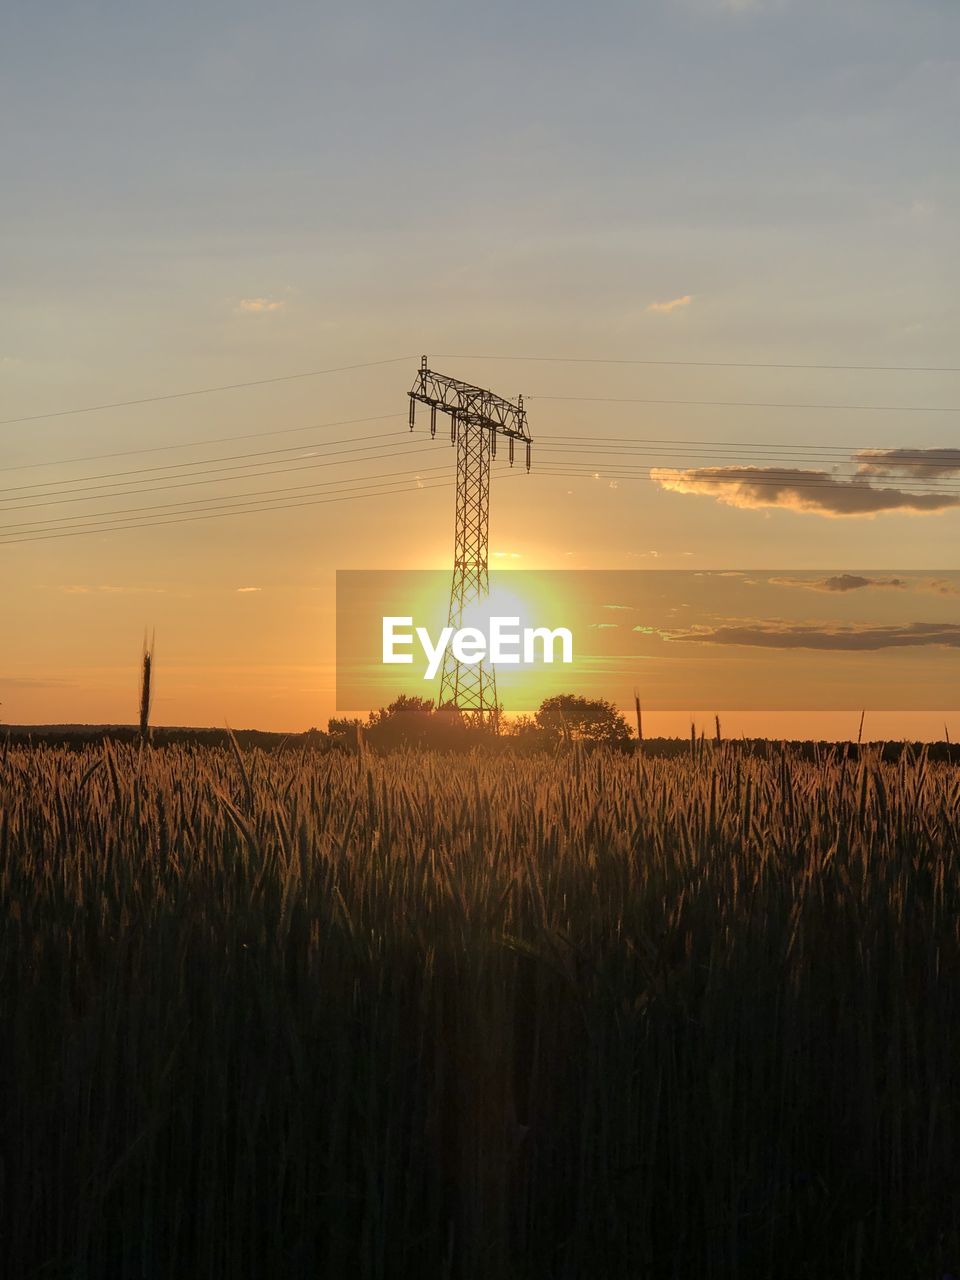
(735,639)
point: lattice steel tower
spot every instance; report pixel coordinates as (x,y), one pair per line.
(477,416)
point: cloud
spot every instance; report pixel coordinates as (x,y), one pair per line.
(27,682)
(918,464)
(81,589)
(840,582)
(243,591)
(674,304)
(260,306)
(795,489)
(940,586)
(865,637)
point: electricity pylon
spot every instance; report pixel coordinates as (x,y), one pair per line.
(477,416)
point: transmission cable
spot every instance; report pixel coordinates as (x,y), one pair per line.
(753,404)
(942,464)
(217,514)
(713,364)
(201,465)
(25,501)
(203,391)
(754,480)
(933,458)
(197,444)
(256,495)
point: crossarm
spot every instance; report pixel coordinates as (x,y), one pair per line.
(474,406)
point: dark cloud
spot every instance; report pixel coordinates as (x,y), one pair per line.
(855,638)
(796,489)
(919,464)
(841,582)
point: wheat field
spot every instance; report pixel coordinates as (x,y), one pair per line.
(577,1015)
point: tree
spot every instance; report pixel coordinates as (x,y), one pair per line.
(567,716)
(344,733)
(405,722)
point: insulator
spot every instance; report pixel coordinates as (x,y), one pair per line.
(493,442)
(433,422)
(528,455)
(453,428)
(511,451)
(413,411)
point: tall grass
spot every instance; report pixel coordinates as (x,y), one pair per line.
(592,1016)
(146,673)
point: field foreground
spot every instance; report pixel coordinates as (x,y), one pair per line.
(291,1015)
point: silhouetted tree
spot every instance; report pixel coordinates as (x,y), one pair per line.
(567,716)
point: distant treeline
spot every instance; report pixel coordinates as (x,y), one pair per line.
(77,737)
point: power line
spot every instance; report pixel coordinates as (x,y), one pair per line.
(759,480)
(715,364)
(96,492)
(202,391)
(202,465)
(569,360)
(616,462)
(931,473)
(595,444)
(385,488)
(219,515)
(736,457)
(559,467)
(198,444)
(848,449)
(755,404)
(221,500)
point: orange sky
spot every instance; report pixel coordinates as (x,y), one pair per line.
(197,204)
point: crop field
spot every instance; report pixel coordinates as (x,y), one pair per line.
(589,1014)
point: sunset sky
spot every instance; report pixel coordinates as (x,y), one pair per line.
(195,199)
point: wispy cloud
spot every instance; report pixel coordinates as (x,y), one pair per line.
(673,304)
(84,589)
(795,489)
(940,586)
(841,582)
(918,464)
(29,682)
(244,591)
(260,306)
(864,637)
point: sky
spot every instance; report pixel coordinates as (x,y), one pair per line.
(205,195)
